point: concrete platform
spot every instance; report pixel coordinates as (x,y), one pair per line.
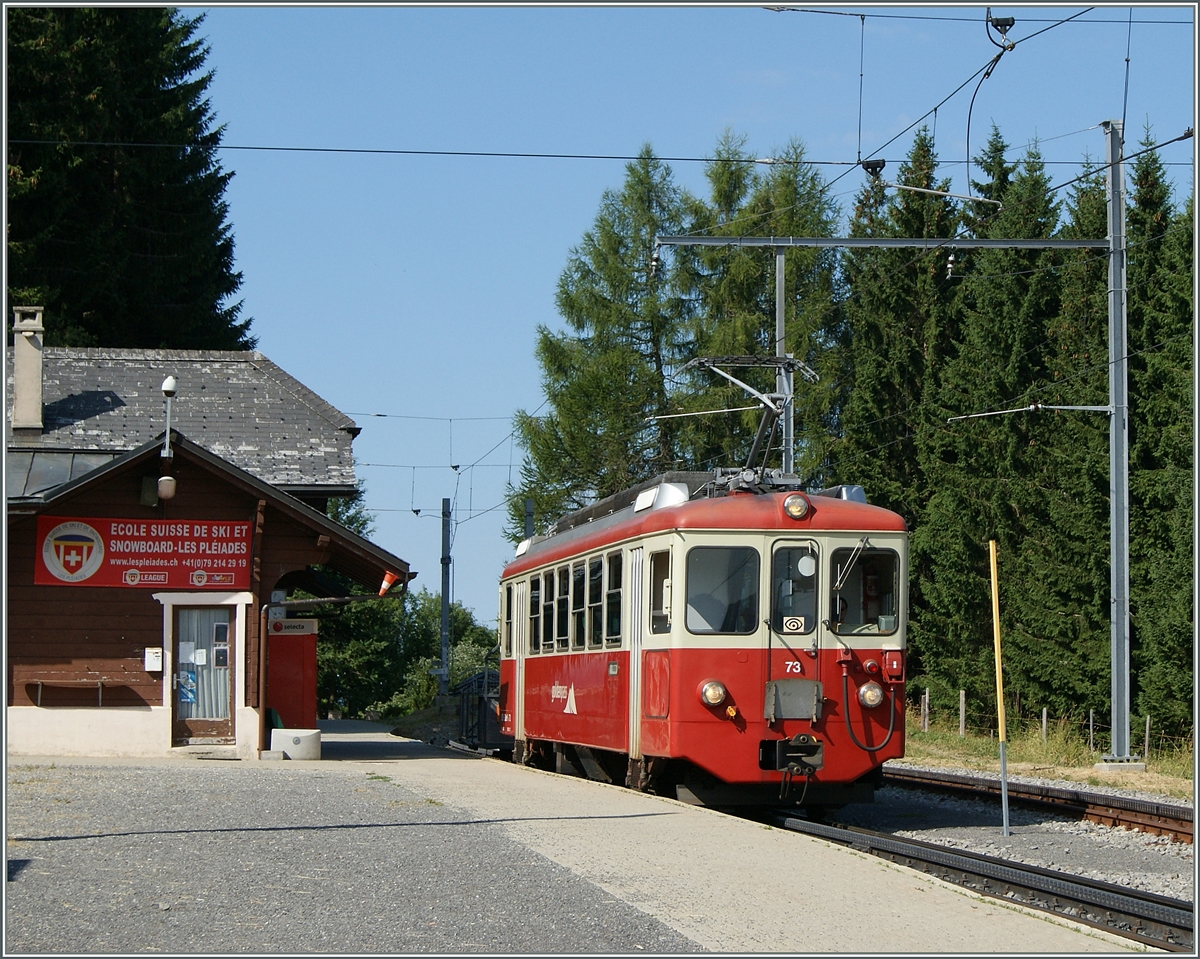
(726,884)
(720,883)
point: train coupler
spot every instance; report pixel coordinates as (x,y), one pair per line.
(804,750)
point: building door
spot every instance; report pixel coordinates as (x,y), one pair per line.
(202,683)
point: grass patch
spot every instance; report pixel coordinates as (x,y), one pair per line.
(1064,755)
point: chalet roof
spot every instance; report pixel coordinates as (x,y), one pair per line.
(99,403)
(351,554)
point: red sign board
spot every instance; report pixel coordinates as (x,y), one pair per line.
(184,554)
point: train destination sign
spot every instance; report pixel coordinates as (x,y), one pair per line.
(185,554)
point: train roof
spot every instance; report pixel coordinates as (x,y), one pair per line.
(700,501)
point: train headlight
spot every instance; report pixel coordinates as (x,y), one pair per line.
(870,694)
(712,693)
(796,506)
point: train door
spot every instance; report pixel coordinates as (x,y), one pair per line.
(636,614)
(796,632)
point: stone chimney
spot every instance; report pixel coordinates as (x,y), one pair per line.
(27,370)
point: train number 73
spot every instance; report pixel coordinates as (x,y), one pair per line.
(792,666)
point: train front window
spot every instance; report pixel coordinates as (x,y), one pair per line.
(722,589)
(794,589)
(865,584)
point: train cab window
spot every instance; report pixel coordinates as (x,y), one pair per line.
(595,601)
(794,588)
(660,592)
(548,611)
(864,590)
(535,614)
(722,589)
(578,610)
(612,602)
(562,628)
(508,620)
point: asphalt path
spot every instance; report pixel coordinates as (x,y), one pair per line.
(389,846)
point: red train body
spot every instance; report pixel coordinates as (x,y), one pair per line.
(726,645)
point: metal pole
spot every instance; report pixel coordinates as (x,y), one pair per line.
(1118,432)
(962,713)
(999,684)
(444,674)
(783,379)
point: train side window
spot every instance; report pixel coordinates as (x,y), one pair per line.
(864,590)
(595,601)
(535,613)
(722,589)
(794,589)
(508,620)
(562,628)
(548,611)
(612,602)
(578,607)
(660,592)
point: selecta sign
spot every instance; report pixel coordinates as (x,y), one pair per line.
(182,554)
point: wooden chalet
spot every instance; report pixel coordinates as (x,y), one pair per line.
(134,601)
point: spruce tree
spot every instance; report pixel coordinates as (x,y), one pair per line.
(126,243)
(734,289)
(1161,317)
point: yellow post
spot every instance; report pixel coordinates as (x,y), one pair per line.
(999,683)
(996,635)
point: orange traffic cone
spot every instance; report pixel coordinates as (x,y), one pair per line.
(389,580)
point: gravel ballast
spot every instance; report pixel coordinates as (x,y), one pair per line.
(1137,860)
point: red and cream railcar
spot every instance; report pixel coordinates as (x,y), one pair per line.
(730,645)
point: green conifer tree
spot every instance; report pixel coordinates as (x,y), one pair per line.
(607,374)
(117,221)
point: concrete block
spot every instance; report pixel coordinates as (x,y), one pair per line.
(297,743)
(1120,767)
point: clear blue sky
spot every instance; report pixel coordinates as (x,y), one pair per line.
(412,286)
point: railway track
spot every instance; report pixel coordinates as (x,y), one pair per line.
(1144,917)
(1160,819)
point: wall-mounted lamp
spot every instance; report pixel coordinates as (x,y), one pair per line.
(166,482)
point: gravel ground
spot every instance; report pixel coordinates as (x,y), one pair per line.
(1133,859)
(218,857)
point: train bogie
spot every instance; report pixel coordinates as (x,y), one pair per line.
(731,649)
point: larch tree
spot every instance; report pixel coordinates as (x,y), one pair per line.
(606,375)
(117,221)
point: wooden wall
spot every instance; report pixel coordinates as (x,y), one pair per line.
(77,635)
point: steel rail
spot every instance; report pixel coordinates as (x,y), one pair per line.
(1160,819)
(1144,917)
